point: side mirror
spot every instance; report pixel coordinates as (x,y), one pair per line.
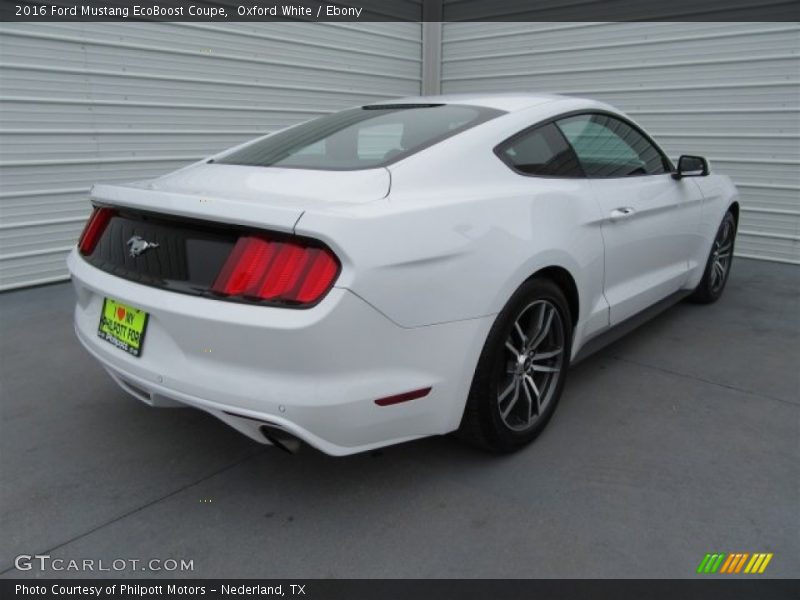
(691,166)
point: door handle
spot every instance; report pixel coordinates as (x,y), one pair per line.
(622,213)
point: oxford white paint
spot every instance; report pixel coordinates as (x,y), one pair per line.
(425,270)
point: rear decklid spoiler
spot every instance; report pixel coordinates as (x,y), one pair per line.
(263,197)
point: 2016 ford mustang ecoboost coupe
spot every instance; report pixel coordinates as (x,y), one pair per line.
(396,270)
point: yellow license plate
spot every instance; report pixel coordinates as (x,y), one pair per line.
(123,326)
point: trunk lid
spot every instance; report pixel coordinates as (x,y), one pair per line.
(263,197)
(176,232)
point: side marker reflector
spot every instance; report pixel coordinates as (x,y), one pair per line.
(404,397)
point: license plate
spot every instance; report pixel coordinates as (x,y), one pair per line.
(123,326)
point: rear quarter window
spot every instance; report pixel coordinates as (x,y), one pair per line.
(542,151)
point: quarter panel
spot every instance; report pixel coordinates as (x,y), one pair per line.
(454,250)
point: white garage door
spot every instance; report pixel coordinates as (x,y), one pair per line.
(88,102)
(728,91)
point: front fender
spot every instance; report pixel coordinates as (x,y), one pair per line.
(719,193)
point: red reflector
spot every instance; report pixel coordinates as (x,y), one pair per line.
(405,397)
(95,226)
(281,271)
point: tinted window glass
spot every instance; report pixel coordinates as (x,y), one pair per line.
(542,151)
(360,138)
(608,147)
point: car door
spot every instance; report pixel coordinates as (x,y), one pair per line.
(649,217)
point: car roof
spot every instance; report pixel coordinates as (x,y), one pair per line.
(509,102)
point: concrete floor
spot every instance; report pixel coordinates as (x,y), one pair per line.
(678,440)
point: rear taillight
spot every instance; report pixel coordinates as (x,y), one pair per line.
(282,271)
(94,229)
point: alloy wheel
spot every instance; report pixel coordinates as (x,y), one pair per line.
(721,255)
(532,363)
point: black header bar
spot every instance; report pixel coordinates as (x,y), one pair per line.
(401,10)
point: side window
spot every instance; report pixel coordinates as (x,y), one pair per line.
(542,151)
(608,147)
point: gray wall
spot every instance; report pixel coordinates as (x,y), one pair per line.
(88,102)
(729,91)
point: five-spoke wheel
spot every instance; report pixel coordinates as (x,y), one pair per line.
(722,254)
(533,357)
(718,266)
(522,369)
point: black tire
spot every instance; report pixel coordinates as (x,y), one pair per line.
(499,366)
(718,265)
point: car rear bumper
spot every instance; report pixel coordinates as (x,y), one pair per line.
(314,373)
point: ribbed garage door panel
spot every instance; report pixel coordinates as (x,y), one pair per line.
(729,91)
(102,102)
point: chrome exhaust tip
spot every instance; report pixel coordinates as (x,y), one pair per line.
(281,439)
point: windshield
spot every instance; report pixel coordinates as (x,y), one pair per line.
(361,138)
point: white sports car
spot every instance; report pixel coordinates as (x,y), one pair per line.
(396,270)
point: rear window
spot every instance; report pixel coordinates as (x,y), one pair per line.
(361,138)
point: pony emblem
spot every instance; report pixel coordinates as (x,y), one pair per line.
(138,246)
